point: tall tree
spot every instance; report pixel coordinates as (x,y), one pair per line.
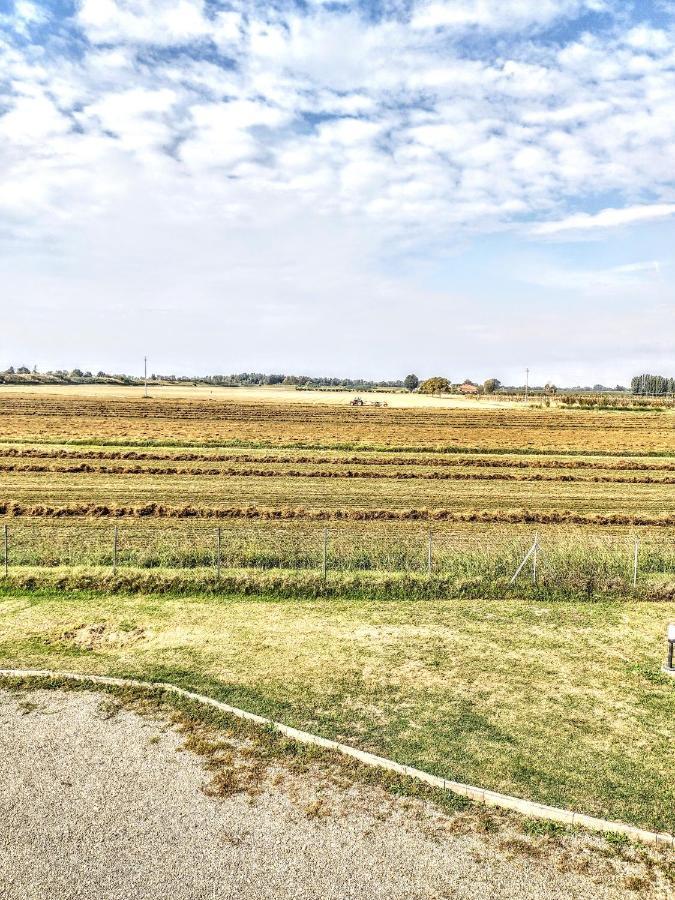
(435,385)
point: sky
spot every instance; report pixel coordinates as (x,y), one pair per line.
(362,189)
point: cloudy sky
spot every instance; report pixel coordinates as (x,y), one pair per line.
(457,187)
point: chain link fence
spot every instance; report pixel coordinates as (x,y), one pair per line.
(497,552)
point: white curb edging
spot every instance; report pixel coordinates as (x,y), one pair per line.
(476,794)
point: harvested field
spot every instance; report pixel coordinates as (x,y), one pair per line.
(37,417)
(258,393)
(652,502)
(539,469)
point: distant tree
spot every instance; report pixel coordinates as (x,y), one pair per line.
(23,370)
(76,373)
(491,385)
(436,385)
(10,371)
(652,385)
(411,382)
(550,388)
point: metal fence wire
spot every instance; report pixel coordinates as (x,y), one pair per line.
(492,553)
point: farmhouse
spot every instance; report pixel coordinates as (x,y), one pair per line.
(468,388)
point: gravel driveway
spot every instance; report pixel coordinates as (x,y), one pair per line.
(104,807)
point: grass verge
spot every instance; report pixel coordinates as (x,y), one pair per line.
(298,584)
(561,703)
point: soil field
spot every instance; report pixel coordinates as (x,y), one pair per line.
(266,394)
(32,416)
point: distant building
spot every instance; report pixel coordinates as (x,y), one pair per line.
(468,388)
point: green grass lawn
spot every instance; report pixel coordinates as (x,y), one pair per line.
(563,703)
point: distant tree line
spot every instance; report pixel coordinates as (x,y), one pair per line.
(22,374)
(652,385)
(647,385)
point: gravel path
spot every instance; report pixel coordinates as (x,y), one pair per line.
(104,807)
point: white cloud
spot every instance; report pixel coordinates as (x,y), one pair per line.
(29,12)
(627,280)
(31,119)
(606,218)
(497,14)
(143,21)
(136,116)
(387,140)
(221,132)
(654,40)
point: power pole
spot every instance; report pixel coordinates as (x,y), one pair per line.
(527,383)
(145,375)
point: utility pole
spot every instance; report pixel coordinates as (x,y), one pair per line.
(527,383)
(145,375)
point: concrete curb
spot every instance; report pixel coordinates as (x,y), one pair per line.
(476,794)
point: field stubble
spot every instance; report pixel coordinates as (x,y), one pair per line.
(536,470)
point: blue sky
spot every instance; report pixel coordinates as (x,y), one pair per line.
(463,188)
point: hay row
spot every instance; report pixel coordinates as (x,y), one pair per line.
(14,509)
(88,468)
(437,461)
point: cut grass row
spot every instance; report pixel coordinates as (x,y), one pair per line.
(124,444)
(335,471)
(67,455)
(528,699)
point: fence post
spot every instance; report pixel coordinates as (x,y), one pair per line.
(6,537)
(115,551)
(325,552)
(218,553)
(429,552)
(534,558)
(635,562)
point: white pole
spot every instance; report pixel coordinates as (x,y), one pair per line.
(325,552)
(522,565)
(527,383)
(534,559)
(635,563)
(145,375)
